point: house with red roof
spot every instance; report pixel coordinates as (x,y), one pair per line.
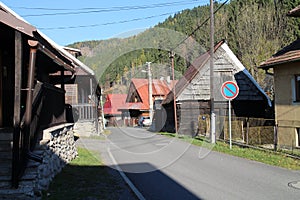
(137,100)
(111,107)
(286,71)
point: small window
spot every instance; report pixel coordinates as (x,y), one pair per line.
(297,87)
(297,137)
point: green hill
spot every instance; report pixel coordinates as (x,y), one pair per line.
(254,29)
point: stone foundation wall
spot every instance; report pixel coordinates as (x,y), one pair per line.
(87,128)
(57,148)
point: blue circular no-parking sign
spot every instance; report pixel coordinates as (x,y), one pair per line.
(229,90)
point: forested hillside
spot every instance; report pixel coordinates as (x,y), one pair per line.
(254,30)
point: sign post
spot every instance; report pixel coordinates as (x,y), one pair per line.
(230,91)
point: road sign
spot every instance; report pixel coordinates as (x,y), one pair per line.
(229,90)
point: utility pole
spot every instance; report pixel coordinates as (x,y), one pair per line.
(150,91)
(174,92)
(212,108)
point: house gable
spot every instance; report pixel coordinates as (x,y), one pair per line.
(226,68)
(135,89)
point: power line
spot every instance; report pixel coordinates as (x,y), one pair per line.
(193,32)
(101,10)
(105,24)
(107,8)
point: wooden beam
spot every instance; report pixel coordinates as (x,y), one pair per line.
(18,77)
(30,81)
(17,108)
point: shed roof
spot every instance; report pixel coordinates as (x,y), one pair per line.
(13,20)
(190,73)
(288,54)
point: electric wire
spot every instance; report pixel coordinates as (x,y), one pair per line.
(193,32)
(105,24)
(101,10)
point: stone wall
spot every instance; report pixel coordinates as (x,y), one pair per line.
(88,128)
(57,148)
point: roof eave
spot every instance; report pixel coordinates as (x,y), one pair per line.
(274,64)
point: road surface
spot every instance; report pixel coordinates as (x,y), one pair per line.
(167,168)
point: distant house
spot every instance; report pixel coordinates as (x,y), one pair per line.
(137,101)
(192,93)
(111,108)
(285,64)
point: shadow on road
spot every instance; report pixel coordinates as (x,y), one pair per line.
(155,184)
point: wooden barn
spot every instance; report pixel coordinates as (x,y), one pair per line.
(192,93)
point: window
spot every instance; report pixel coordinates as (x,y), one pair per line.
(297,137)
(297,88)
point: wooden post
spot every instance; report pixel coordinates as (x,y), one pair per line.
(30,82)
(17,108)
(247,132)
(211,73)
(30,86)
(174,91)
(62,81)
(275,137)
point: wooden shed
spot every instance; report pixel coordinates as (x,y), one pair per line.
(192,93)
(33,73)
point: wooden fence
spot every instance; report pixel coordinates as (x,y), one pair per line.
(252,131)
(85,112)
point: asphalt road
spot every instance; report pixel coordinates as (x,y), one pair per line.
(168,168)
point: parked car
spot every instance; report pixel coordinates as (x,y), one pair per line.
(146,121)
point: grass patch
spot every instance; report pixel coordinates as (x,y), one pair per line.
(267,157)
(84,178)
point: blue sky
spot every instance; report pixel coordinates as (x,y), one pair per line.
(84,20)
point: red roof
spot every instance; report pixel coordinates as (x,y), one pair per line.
(140,87)
(113,103)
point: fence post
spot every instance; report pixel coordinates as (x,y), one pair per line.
(247,132)
(275,137)
(243,134)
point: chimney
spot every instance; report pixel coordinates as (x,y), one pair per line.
(168,79)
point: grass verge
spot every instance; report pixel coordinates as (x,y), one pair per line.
(267,157)
(84,178)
